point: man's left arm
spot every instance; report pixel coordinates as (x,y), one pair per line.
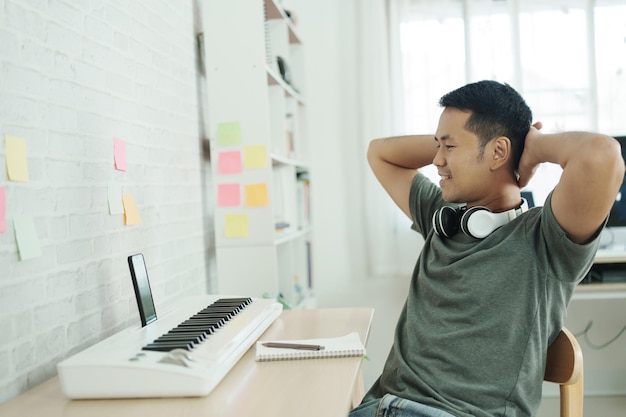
(593,171)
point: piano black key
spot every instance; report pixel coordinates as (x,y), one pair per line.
(205,319)
(190,330)
(192,340)
(199,326)
(166,347)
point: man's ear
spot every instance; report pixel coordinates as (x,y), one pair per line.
(500,152)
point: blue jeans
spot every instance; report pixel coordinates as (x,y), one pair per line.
(392,406)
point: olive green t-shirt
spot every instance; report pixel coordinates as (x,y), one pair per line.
(480,314)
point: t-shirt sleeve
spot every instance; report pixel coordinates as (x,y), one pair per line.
(424,199)
(557,245)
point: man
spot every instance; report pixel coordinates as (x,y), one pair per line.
(490,289)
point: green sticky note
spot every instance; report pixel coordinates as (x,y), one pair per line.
(228,133)
(115,198)
(26,237)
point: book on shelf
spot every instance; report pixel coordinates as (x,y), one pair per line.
(281,226)
(349,345)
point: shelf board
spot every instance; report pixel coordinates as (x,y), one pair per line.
(274,11)
(600,291)
(273,78)
(288,236)
(610,258)
(283,160)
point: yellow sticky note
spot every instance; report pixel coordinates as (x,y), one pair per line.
(236,225)
(228,133)
(131,214)
(26,237)
(17,164)
(256,195)
(255,156)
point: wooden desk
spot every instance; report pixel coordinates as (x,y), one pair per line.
(313,387)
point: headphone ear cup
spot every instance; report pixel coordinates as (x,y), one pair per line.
(478,222)
(446,221)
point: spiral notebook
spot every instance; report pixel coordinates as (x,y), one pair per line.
(334,347)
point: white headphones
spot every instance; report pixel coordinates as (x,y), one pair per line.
(477,222)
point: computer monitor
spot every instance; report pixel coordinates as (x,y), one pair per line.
(529,197)
(617,218)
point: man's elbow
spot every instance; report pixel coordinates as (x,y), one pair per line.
(373,151)
(611,158)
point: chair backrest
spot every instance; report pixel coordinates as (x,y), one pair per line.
(564,366)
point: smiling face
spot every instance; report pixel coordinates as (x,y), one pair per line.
(464,167)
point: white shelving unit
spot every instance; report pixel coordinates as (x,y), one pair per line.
(259,153)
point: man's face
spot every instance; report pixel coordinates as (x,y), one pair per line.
(464,173)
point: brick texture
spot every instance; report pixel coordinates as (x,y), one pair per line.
(74,75)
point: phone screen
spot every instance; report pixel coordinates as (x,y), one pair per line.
(143,293)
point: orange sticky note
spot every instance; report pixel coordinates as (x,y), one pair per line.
(256,195)
(119,151)
(228,195)
(229,162)
(17,163)
(255,156)
(236,225)
(131,214)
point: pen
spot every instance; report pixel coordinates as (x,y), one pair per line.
(293,346)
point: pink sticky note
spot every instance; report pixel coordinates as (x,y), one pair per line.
(228,195)
(3,210)
(229,162)
(119,149)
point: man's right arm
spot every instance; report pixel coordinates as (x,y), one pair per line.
(395,161)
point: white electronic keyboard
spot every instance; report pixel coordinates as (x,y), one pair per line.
(184,353)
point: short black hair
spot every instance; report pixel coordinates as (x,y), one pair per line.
(497,110)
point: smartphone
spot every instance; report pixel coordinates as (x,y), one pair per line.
(143,293)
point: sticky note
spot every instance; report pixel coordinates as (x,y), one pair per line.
(228,134)
(236,225)
(119,151)
(228,195)
(229,162)
(26,237)
(256,195)
(17,163)
(131,214)
(115,198)
(3,210)
(255,156)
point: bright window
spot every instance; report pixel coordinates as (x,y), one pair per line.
(567,58)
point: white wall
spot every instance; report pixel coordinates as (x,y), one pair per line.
(73,75)
(76,74)
(331,33)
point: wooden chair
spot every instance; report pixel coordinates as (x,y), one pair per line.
(564,366)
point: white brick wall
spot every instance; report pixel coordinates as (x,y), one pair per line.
(74,74)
